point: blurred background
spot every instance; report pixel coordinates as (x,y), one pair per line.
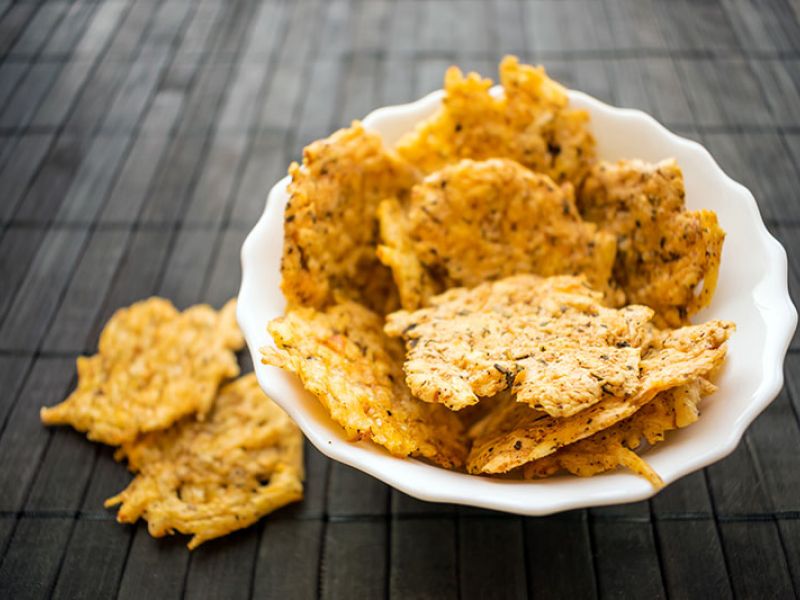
(138,140)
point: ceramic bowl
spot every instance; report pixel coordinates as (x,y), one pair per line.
(752,292)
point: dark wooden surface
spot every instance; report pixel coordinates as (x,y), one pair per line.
(138,139)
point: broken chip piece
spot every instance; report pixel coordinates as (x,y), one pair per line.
(342,356)
(663,250)
(209,478)
(530,122)
(614,447)
(154,366)
(330,226)
(677,357)
(477,221)
(548,339)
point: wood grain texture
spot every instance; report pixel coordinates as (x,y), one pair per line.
(138,142)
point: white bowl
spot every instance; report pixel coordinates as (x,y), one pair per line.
(752,291)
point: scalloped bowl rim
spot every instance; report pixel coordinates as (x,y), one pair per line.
(683,452)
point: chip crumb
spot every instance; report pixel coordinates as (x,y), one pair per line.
(154,366)
(209,478)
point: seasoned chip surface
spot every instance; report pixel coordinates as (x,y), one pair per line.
(677,358)
(664,251)
(154,366)
(549,339)
(414,283)
(343,357)
(330,225)
(209,478)
(478,221)
(614,447)
(531,122)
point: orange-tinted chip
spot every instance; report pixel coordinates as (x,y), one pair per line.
(477,221)
(531,122)
(209,478)
(663,250)
(330,225)
(154,366)
(343,357)
(679,358)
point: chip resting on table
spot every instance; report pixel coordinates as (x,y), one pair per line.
(209,478)
(155,365)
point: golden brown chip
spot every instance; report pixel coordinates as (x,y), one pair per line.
(343,357)
(209,478)
(531,122)
(678,358)
(549,339)
(397,252)
(477,221)
(154,366)
(330,225)
(614,447)
(663,250)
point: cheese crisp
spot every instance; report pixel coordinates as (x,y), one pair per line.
(154,366)
(677,358)
(530,122)
(209,478)
(614,447)
(343,357)
(479,221)
(545,295)
(330,226)
(550,340)
(663,251)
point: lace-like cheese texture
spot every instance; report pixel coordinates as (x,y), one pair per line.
(330,225)
(342,356)
(675,358)
(209,478)
(531,122)
(663,250)
(478,221)
(548,339)
(155,365)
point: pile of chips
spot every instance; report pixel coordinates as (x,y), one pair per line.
(209,457)
(488,295)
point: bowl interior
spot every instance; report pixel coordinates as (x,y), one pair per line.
(752,292)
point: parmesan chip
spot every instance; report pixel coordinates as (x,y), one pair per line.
(614,447)
(477,221)
(154,366)
(663,251)
(209,478)
(343,357)
(530,122)
(549,339)
(330,225)
(678,358)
